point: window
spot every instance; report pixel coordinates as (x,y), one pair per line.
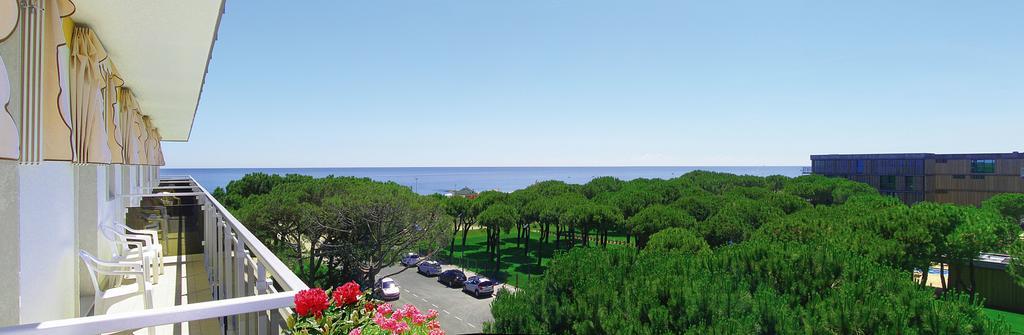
(908,182)
(860,166)
(983,166)
(940,161)
(887,182)
(978,177)
(959,176)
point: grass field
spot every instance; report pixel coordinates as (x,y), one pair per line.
(1016,321)
(517,267)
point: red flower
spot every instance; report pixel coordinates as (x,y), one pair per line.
(347,294)
(311,301)
(370,307)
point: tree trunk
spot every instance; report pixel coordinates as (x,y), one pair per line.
(558,236)
(519,235)
(490,242)
(464,233)
(455,234)
(526,244)
(497,259)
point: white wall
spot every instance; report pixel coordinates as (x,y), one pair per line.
(48,259)
(47,213)
(9,282)
(95,206)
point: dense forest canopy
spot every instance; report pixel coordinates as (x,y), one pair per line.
(705,252)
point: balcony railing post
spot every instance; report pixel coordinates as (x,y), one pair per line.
(261,289)
(241,321)
(207,238)
(250,288)
(218,273)
(227,277)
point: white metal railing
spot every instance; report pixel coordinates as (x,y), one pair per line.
(252,289)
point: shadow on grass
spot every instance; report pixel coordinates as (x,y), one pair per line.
(518,263)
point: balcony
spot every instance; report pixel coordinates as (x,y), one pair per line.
(218,278)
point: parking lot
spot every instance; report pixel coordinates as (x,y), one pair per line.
(458,312)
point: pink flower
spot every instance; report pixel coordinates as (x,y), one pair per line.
(436,332)
(401,327)
(384,309)
(432,314)
(419,319)
(409,311)
(434,325)
(356,331)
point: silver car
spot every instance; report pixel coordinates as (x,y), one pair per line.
(410,259)
(478,286)
(387,289)
(429,268)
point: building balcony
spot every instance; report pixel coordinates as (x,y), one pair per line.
(217,279)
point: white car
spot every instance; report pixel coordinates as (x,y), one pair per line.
(478,286)
(429,268)
(387,289)
(410,259)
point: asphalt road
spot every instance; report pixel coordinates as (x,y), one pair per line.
(458,312)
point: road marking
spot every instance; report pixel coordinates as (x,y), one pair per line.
(471,325)
(446,311)
(406,291)
(416,295)
(424,300)
(435,306)
(458,318)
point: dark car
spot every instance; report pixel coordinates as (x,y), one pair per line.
(452,278)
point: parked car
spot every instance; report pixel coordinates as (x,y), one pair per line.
(478,286)
(387,289)
(410,259)
(452,278)
(429,268)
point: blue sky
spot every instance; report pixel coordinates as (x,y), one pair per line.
(605,83)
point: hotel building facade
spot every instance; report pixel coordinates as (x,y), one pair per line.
(89,89)
(966,179)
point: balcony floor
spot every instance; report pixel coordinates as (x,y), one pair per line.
(184,281)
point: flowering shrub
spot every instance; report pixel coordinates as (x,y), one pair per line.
(352,312)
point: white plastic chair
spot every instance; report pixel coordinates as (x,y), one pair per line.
(156,218)
(97,267)
(150,239)
(123,251)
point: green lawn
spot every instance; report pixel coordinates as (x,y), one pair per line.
(517,267)
(1016,321)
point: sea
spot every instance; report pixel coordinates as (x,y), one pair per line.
(430,180)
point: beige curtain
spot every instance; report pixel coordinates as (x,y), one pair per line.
(87,100)
(58,142)
(9,146)
(155,156)
(113,113)
(130,129)
(143,147)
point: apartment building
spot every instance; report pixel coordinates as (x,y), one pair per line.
(966,179)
